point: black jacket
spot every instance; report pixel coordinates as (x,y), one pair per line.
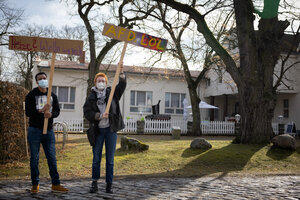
(32,102)
(90,109)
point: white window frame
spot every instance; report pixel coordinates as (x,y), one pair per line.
(61,103)
(175,109)
(144,109)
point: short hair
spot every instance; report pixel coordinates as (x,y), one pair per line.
(40,73)
(102,75)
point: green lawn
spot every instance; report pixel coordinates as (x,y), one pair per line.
(167,158)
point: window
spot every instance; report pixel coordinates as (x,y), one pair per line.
(66,97)
(174,103)
(140,101)
(285,108)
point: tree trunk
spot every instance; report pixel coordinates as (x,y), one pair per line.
(196,130)
(28,82)
(257,96)
(256,116)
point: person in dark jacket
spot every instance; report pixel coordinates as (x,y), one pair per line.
(37,110)
(104,126)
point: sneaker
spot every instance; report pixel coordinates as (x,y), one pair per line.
(59,188)
(94,187)
(109,188)
(35,188)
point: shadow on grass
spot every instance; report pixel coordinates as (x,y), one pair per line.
(230,158)
(277,153)
(192,152)
(120,152)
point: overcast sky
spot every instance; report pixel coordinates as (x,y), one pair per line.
(45,12)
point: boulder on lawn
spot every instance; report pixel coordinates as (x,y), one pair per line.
(132,144)
(284,141)
(200,143)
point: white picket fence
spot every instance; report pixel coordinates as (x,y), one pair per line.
(74,125)
(160,126)
(218,128)
(165,126)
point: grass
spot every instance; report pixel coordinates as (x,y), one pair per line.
(166,158)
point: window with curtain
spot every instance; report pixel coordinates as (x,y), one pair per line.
(174,103)
(141,101)
(66,97)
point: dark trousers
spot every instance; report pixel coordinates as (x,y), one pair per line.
(110,139)
(35,138)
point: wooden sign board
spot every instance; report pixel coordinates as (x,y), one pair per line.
(134,37)
(61,46)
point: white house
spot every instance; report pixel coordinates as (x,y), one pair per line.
(145,87)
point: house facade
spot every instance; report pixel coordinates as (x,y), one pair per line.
(145,87)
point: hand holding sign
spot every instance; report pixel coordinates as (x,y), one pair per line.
(132,37)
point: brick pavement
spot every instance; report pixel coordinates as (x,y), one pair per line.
(227,187)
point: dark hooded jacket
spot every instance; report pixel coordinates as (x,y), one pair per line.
(90,109)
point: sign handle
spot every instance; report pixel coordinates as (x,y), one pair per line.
(49,90)
(113,87)
(25,130)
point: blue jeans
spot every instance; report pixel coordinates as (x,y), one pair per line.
(35,138)
(110,139)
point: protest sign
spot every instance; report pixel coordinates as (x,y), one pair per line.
(132,37)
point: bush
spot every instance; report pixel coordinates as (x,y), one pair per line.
(12,130)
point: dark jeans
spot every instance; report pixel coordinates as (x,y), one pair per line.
(110,139)
(35,138)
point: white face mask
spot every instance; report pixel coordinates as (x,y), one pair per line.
(43,83)
(101,86)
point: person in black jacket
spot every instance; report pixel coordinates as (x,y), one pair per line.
(37,110)
(104,126)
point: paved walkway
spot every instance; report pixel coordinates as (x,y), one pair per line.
(233,188)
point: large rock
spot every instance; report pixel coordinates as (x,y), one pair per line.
(284,141)
(200,143)
(132,144)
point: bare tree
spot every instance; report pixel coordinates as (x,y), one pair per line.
(9,18)
(259,52)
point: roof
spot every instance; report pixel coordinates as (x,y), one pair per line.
(73,65)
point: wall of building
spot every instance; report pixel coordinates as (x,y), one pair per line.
(158,85)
